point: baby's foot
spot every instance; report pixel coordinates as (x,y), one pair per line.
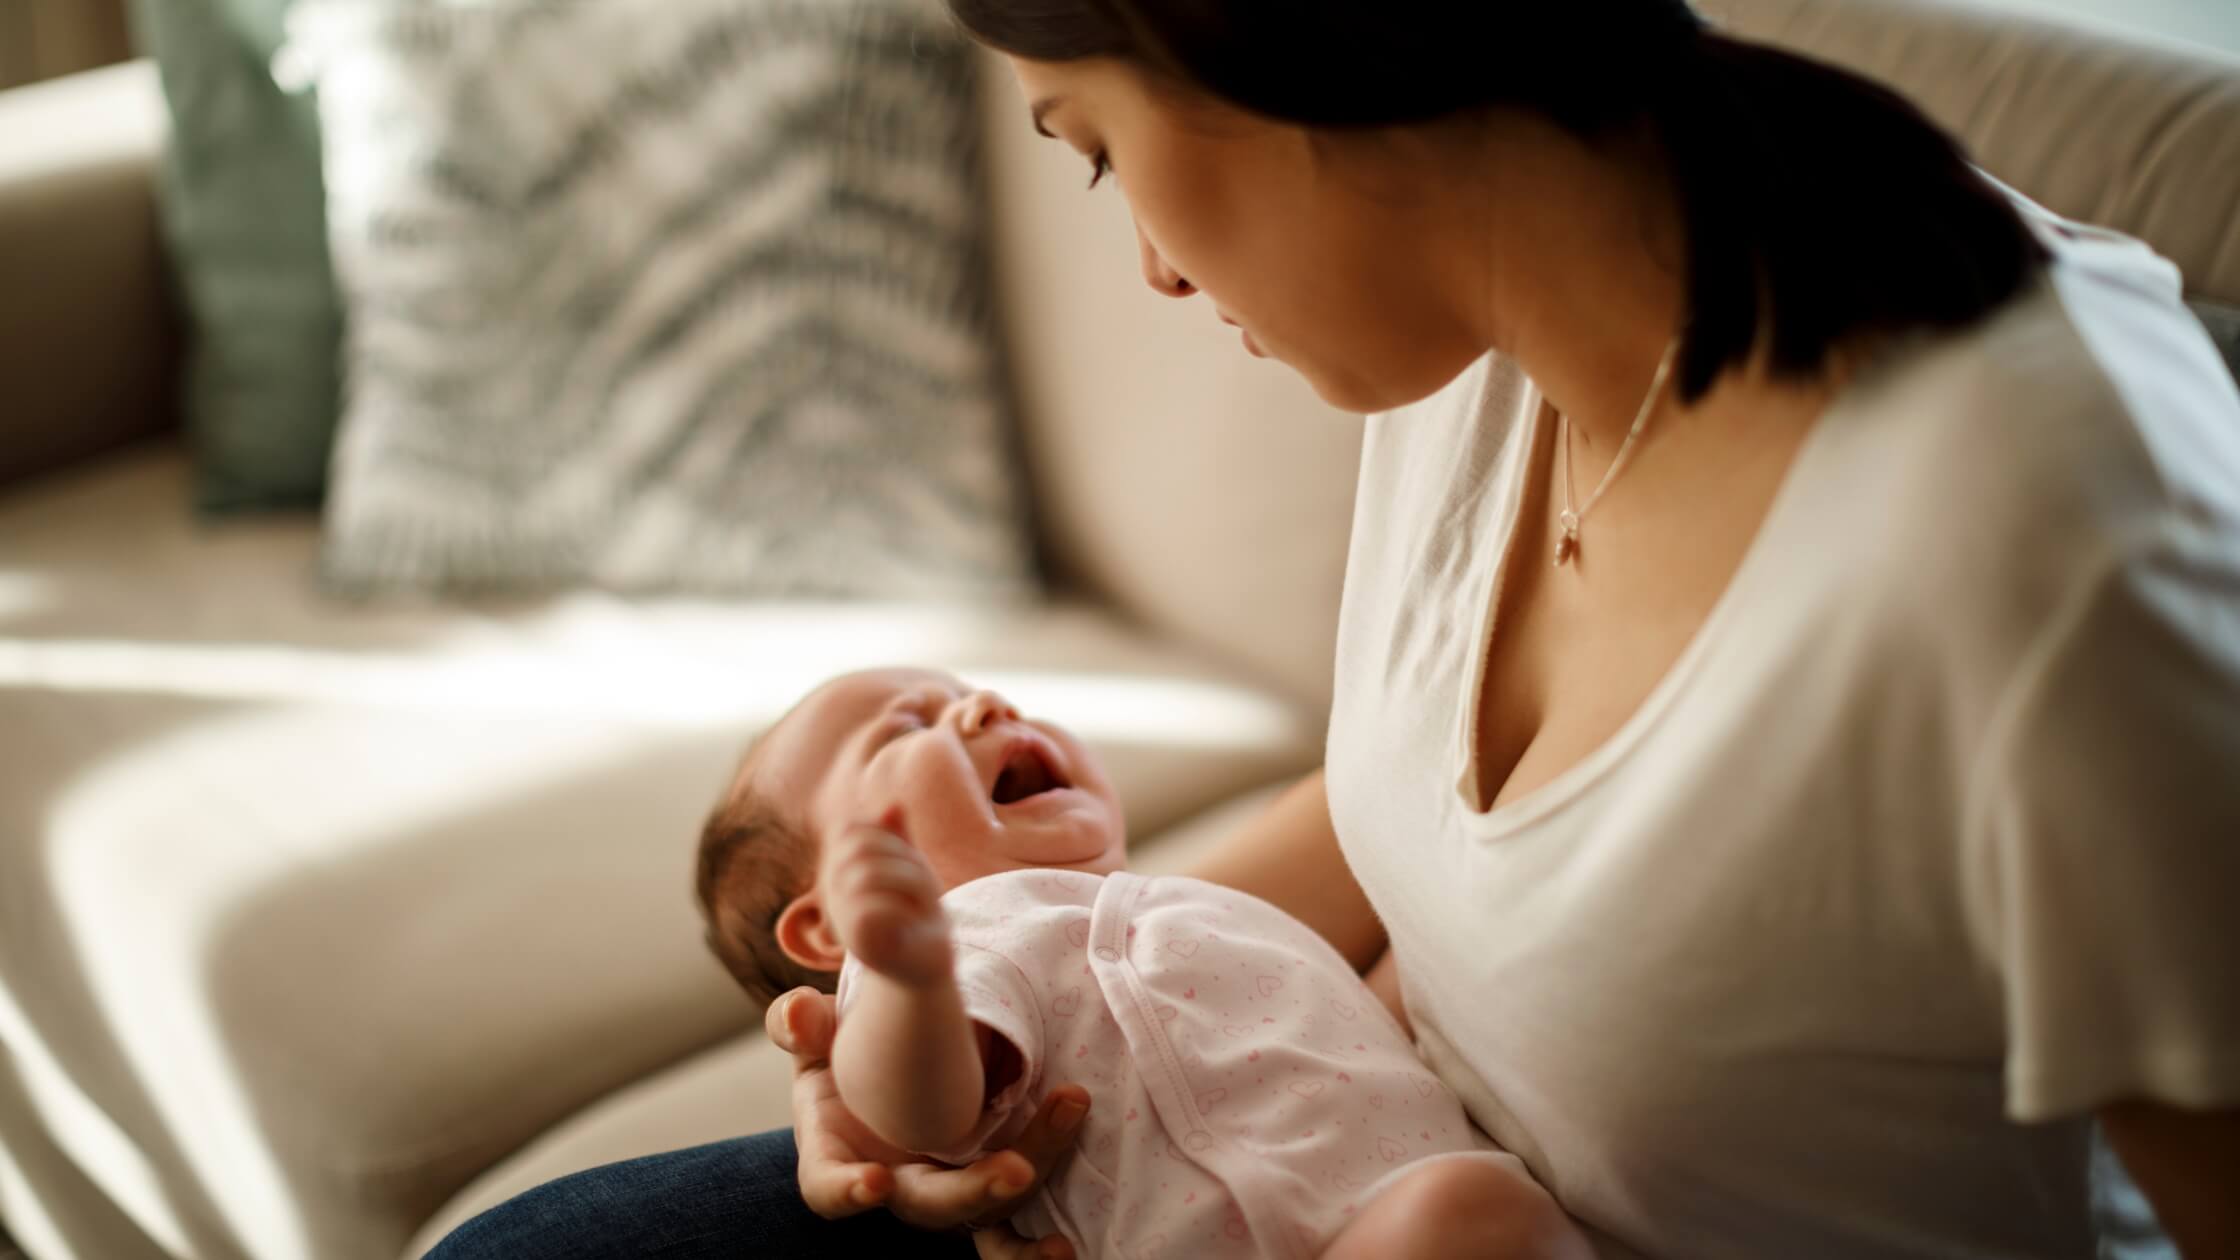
(885,904)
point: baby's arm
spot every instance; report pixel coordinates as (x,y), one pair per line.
(907,1060)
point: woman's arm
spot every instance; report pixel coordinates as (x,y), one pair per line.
(1383,979)
(1289,856)
(2186,1163)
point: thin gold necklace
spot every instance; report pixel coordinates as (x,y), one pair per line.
(1567,542)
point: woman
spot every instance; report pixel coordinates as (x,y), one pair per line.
(1789,673)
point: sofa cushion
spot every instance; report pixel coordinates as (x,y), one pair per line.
(317,911)
(86,345)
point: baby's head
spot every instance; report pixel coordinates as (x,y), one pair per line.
(979,790)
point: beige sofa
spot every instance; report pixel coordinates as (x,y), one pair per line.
(322,927)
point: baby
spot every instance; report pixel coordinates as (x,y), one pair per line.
(1252,1096)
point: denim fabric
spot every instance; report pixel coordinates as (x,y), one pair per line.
(730,1199)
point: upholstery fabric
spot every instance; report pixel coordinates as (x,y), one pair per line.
(687,304)
(43,39)
(243,214)
(86,342)
(2140,136)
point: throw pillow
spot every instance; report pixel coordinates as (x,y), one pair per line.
(661,295)
(243,216)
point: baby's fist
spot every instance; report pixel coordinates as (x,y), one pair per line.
(885,905)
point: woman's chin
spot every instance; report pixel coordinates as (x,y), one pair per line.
(1405,384)
(1359,397)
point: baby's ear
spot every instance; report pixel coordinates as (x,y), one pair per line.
(805,933)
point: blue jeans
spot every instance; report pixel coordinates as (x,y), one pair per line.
(729,1199)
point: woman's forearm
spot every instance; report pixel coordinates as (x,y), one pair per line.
(1383,979)
(1289,856)
(907,1063)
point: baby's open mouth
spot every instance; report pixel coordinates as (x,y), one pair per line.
(1025,773)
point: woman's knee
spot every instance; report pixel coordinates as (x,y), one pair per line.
(727,1199)
(741,1188)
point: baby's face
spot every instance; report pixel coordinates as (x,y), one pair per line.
(980,789)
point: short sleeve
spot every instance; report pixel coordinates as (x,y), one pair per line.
(2105,841)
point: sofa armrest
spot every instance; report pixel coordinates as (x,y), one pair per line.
(88,339)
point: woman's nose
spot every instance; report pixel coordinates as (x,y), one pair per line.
(982,707)
(1162,278)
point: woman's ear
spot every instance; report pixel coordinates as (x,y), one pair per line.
(806,935)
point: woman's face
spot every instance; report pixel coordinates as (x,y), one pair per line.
(1322,254)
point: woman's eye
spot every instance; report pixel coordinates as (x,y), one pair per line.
(1099,166)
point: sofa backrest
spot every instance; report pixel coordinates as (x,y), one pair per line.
(45,39)
(1207,493)
(2141,137)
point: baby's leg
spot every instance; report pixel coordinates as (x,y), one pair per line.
(1460,1207)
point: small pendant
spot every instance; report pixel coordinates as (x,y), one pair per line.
(1567,542)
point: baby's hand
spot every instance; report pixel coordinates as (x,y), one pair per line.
(885,904)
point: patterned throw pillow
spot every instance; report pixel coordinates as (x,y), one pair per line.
(661,295)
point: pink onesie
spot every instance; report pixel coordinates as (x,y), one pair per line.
(1250,1092)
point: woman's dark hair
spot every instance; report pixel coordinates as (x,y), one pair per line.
(1811,199)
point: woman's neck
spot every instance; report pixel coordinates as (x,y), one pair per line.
(1583,276)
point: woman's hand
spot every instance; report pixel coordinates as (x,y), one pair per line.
(845,1168)
(1289,856)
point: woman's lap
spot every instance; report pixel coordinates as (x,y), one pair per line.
(728,1199)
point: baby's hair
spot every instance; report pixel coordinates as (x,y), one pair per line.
(754,860)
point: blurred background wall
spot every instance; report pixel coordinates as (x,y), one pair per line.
(40,39)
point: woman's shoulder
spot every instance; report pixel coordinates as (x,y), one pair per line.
(2084,418)
(1969,491)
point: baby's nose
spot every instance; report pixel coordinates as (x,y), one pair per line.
(982,707)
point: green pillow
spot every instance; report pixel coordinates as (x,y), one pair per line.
(243,210)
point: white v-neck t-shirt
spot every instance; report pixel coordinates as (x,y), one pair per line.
(1928,843)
